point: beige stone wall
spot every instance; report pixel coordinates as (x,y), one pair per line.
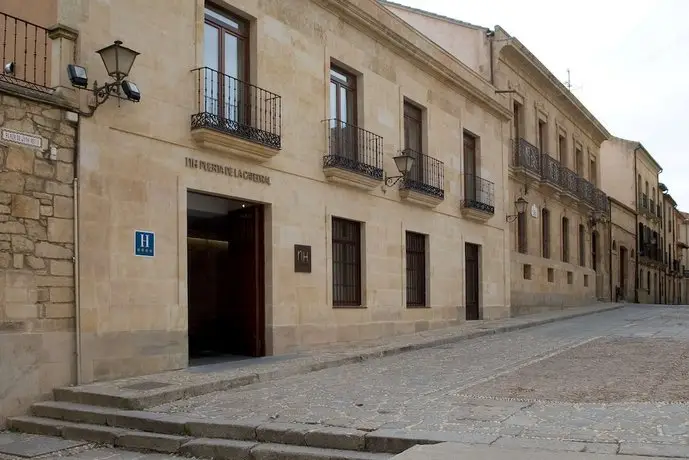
(624,236)
(37,343)
(618,155)
(467,42)
(133,176)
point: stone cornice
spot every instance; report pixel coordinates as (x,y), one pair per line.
(599,131)
(621,205)
(378,22)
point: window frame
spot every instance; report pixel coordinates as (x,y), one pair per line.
(415,250)
(340,283)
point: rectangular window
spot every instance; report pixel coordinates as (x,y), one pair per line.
(562,149)
(522,245)
(565,239)
(545,223)
(226,56)
(592,172)
(582,246)
(579,162)
(416,269)
(346,235)
(413,140)
(517,121)
(343,113)
(542,136)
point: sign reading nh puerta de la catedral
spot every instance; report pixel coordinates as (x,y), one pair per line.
(226,170)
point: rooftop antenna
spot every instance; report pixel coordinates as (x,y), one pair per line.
(568,83)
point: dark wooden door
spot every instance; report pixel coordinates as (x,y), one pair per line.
(472,282)
(245,312)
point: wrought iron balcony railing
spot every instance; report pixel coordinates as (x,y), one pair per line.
(550,170)
(570,182)
(354,149)
(427,175)
(644,201)
(600,200)
(527,156)
(25,50)
(479,193)
(238,108)
(586,190)
(651,206)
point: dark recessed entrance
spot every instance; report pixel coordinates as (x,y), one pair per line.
(225,278)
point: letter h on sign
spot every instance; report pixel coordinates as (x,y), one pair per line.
(144,244)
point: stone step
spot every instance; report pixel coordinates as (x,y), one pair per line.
(388,441)
(184,445)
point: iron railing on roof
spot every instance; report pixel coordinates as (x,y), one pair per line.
(24,51)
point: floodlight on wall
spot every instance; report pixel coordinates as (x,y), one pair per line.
(9,68)
(118,61)
(520,205)
(404,164)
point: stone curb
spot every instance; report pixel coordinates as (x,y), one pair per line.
(105,398)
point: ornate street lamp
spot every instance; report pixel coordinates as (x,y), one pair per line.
(118,61)
(520,205)
(404,164)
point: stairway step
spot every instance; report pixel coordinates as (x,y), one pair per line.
(171,444)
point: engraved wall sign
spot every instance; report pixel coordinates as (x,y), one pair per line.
(21,138)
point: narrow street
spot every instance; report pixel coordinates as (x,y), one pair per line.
(609,383)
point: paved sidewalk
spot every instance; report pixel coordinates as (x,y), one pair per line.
(156,389)
(453,451)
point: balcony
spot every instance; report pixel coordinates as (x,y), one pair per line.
(235,117)
(424,185)
(643,202)
(600,201)
(550,173)
(586,193)
(479,198)
(526,159)
(26,47)
(355,156)
(570,185)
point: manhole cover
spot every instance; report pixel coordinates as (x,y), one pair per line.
(145,386)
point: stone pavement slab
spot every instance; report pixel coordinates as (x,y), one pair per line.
(28,446)
(152,390)
(452,451)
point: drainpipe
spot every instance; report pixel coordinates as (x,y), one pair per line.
(490,34)
(77,285)
(636,227)
(612,295)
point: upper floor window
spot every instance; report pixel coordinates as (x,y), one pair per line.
(562,149)
(342,96)
(517,120)
(226,54)
(542,136)
(579,161)
(592,171)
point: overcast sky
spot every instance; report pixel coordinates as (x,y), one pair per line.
(629,63)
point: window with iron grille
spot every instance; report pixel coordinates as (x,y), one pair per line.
(346,235)
(582,246)
(521,233)
(565,239)
(545,223)
(416,269)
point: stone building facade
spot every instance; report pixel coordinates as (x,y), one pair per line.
(249,203)
(632,161)
(37,304)
(560,243)
(672,270)
(623,255)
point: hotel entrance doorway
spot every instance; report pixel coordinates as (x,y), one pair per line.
(225,278)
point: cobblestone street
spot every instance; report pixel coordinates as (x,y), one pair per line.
(614,383)
(591,383)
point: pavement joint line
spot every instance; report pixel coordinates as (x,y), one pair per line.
(528,362)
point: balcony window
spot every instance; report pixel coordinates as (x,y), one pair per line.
(227,103)
(479,193)
(351,149)
(427,174)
